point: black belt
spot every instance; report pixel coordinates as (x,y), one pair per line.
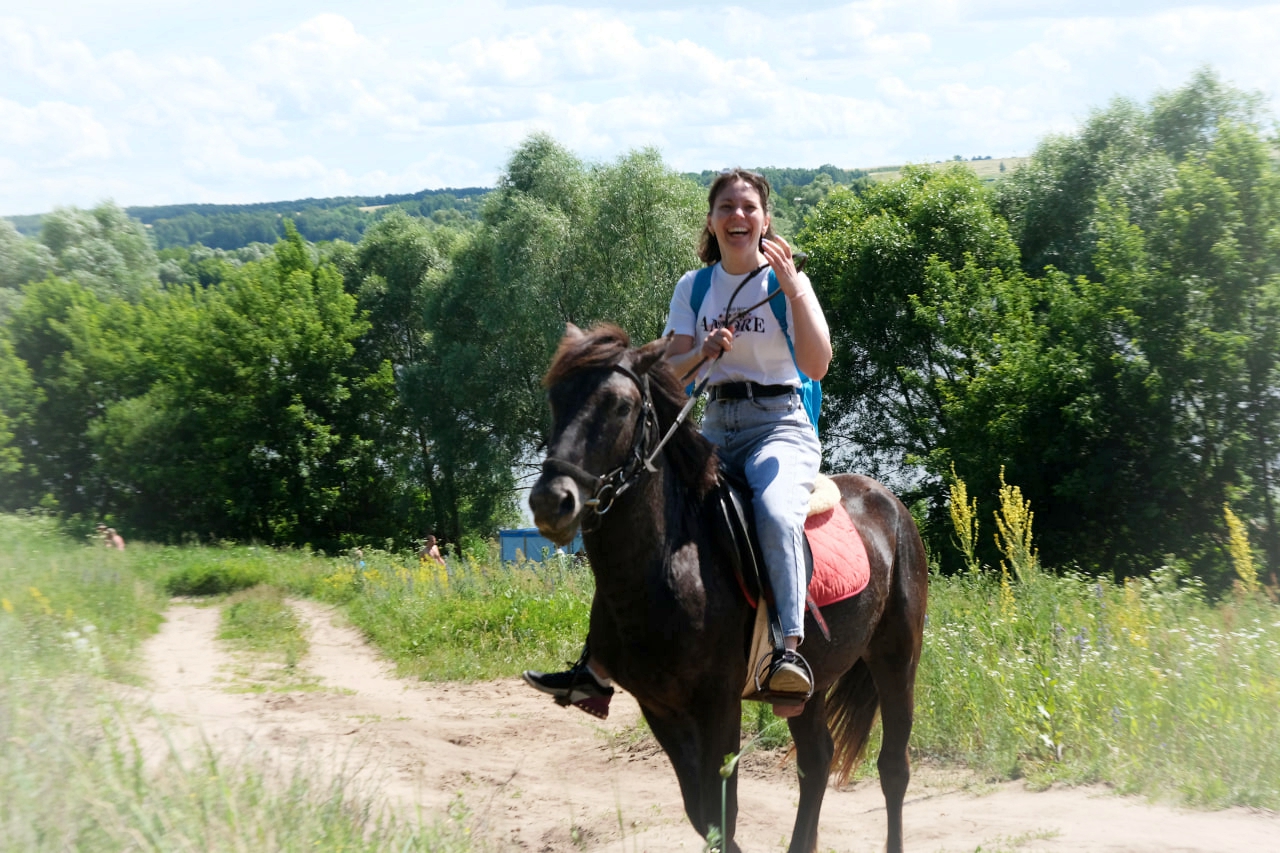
(743,390)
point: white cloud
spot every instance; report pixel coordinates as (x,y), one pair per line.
(63,134)
(364,96)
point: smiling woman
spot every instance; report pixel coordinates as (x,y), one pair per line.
(755,362)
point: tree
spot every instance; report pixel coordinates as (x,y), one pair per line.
(252,430)
(560,241)
(21,260)
(885,263)
(104,249)
(1121,364)
(18,401)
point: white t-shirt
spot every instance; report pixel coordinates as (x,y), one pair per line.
(760,352)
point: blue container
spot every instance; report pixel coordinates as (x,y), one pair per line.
(529,543)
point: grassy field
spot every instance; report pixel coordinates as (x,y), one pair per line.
(988,170)
(1146,686)
(73,774)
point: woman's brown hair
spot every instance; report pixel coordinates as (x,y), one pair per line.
(708,245)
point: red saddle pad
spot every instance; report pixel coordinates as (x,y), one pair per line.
(840,565)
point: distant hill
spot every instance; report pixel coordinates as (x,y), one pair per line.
(990,169)
(233,226)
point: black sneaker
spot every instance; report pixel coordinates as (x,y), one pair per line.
(789,673)
(577,687)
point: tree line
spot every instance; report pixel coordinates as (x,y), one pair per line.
(1100,327)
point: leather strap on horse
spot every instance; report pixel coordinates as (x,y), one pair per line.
(607,488)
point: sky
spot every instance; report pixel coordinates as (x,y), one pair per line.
(149,102)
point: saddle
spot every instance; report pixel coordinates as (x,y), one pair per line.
(734,530)
(842,573)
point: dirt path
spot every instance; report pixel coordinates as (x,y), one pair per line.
(542,778)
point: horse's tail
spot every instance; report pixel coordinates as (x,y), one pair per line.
(852,705)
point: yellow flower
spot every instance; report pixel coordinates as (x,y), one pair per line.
(6,604)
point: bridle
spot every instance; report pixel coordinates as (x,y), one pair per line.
(607,488)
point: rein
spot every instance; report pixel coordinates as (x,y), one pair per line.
(607,488)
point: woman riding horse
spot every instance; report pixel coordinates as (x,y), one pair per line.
(755,417)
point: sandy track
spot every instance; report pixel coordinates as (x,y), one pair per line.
(541,778)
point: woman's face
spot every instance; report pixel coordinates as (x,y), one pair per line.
(738,219)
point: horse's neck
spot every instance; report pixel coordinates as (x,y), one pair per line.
(638,536)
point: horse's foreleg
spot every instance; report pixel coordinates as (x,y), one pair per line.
(678,738)
(695,755)
(814,750)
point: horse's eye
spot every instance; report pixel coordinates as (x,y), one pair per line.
(624,408)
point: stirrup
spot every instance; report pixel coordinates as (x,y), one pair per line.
(764,672)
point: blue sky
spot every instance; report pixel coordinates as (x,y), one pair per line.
(168,101)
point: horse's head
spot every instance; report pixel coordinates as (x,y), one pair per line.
(612,407)
(603,425)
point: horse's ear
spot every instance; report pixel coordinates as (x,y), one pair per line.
(650,353)
(572,332)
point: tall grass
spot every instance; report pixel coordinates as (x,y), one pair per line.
(1144,686)
(1051,677)
(470,620)
(76,772)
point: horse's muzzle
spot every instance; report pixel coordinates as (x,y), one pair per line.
(556,502)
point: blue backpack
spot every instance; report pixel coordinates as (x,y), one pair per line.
(810,389)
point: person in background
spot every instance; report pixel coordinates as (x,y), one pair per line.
(114,540)
(430,551)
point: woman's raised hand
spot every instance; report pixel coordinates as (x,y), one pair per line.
(778,253)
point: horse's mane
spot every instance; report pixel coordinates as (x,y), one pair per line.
(601,348)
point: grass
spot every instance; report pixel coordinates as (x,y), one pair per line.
(1148,686)
(1144,686)
(260,620)
(270,639)
(471,620)
(76,772)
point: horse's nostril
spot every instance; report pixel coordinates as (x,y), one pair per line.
(568,505)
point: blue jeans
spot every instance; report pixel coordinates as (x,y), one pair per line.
(770,442)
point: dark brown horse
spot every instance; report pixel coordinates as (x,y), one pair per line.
(668,620)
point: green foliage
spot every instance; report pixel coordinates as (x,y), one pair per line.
(252,426)
(231,226)
(21,259)
(66,607)
(1130,391)
(887,263)
(561,242)
(103,249)
(215,578)
(473,620)
(18,401)
(1141,685)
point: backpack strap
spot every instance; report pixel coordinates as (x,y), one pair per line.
(701,284)
(810,389)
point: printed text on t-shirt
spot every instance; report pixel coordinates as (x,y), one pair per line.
(750,323)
